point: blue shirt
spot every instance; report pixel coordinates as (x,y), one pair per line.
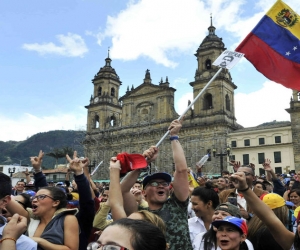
(23,242)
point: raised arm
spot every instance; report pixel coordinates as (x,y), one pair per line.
(282,235)
(180,183)
(39,177)
(271,176)
(115,194)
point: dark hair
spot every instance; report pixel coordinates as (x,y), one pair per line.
(225,172)
(145,235)
(296,190)
(5,187)
(207,194)
(27,201)
(297,240)
(210,240)
(261,183)
(58,194)
(21,181)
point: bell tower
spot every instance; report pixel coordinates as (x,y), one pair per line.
(294,112)
(216,105)
(104,110)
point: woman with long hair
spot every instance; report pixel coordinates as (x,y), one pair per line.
(51,224)
(231,233)
(285,238)
(258,233)
(208,240)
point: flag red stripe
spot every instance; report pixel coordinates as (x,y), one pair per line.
(270,63)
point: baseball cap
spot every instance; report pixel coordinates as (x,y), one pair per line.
(274,200)
(239,223)
(229,208)
(131,162)
(159,175)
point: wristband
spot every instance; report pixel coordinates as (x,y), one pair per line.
(35,171)
(243,190)
(174,137)
(7,238)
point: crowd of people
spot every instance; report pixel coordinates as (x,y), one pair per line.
(185,210)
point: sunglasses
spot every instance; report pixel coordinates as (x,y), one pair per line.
(157,183)
(96,245)
(40,197)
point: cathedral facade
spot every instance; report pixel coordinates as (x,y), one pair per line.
(133,122)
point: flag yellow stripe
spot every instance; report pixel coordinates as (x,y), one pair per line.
(285,19)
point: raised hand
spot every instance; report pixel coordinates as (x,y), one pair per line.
(239,180)
(235,165)
(36,161)
(267,165)
(76,164)
(175,127)
(151,154)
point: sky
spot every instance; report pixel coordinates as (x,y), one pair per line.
(50,51)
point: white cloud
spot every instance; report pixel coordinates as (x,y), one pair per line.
(72,45)
(265,105)
(178,80)
(161,30)
(19,128)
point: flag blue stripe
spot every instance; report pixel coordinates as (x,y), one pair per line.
(278,38)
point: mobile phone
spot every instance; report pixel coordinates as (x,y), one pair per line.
(232,200)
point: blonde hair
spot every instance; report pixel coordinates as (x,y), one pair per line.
(255,223)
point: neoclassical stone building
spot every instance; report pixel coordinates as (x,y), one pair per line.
(138,119)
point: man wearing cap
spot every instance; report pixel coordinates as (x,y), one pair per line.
(250,177)
(173,209)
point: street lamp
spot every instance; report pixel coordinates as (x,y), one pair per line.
(221,154)
(11,171)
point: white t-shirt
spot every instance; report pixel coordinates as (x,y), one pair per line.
(196,226)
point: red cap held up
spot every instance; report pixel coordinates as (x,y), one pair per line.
(131,162)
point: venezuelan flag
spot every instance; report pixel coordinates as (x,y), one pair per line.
(273,46)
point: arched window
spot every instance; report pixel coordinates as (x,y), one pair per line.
(113,121)
(227,100)
(99,91)
(208,64)
(96,125)
(208,102)
(145,111)
(112,91)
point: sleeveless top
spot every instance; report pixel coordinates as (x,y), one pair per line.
(54,230)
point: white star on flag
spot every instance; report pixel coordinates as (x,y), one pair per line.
(295,47)
(288,53)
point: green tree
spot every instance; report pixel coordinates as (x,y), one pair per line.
(56,153)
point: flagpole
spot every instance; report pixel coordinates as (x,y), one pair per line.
(192,103)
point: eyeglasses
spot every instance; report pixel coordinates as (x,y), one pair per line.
(40,197)
(157,183)
(96,245)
